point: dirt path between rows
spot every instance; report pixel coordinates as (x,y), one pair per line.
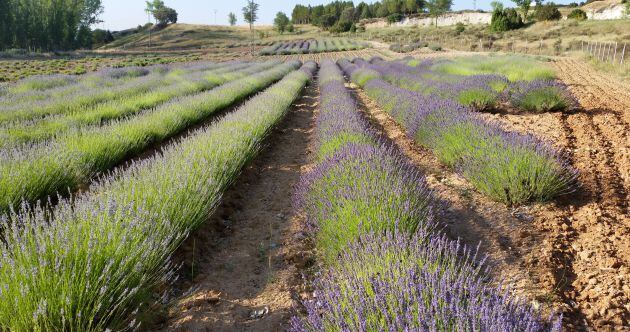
(250,253)
(587,234)
(504,234)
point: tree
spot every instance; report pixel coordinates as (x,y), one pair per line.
(43,25)
(364,11)
(505,19)
(438,8)
(300,14)
(578,15)
(524,5)
(91,11)
(250,15)
(164,15)
(496,6)
(232,19)
(84,37)
(281,22)
(547,12)
(413,6)
(393,6)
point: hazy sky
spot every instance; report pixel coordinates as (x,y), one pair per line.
(123,14)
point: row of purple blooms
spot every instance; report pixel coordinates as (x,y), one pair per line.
(479,92)
(509,167)
(386,267)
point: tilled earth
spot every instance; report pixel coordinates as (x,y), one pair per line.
(585,251)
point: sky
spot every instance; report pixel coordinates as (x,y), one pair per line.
(124,14)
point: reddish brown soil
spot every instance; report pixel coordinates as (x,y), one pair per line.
(586,245)
(250,253)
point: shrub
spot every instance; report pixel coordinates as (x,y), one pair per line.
(400,282)
(578,14)
(508,167)
(541,96)
(394,18)
(86,264)
(505,19)
(459,28)
(36,173)
(547,12)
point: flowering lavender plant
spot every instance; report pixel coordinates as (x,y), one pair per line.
(511,168)
(391,281)
(541,96)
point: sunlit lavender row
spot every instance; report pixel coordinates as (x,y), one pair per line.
(75,157)
(480,92)
(385,265)
(312,46)
(90,264)
(509,167)
(186,84)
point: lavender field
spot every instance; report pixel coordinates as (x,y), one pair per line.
(418,195)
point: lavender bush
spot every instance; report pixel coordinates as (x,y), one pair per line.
(509,167)
(541,96)
(393,282)
(313,46)
(87,264)
(105,85)
(358,180)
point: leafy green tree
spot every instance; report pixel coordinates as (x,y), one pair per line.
(525,6)
(496,6)
(505,19)
(413,6)
(164,15)
(281,22)
(84,37)
(547,12)
(578,14)
(43,25)
(250,15)
(300,14)
(364,11)
(438,7)
(393,6)
(101,37)
(232,19)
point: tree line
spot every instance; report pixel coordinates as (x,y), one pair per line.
(48,25)
(340,16)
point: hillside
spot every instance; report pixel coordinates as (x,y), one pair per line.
(183,36)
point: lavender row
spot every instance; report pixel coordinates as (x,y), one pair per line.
(90,263)
(312,46)
(47,128)
(386,267)
(509,167)
(481,91)
(75,157)
(86,95)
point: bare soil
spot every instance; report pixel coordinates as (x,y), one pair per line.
(250,254)
(587,242)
